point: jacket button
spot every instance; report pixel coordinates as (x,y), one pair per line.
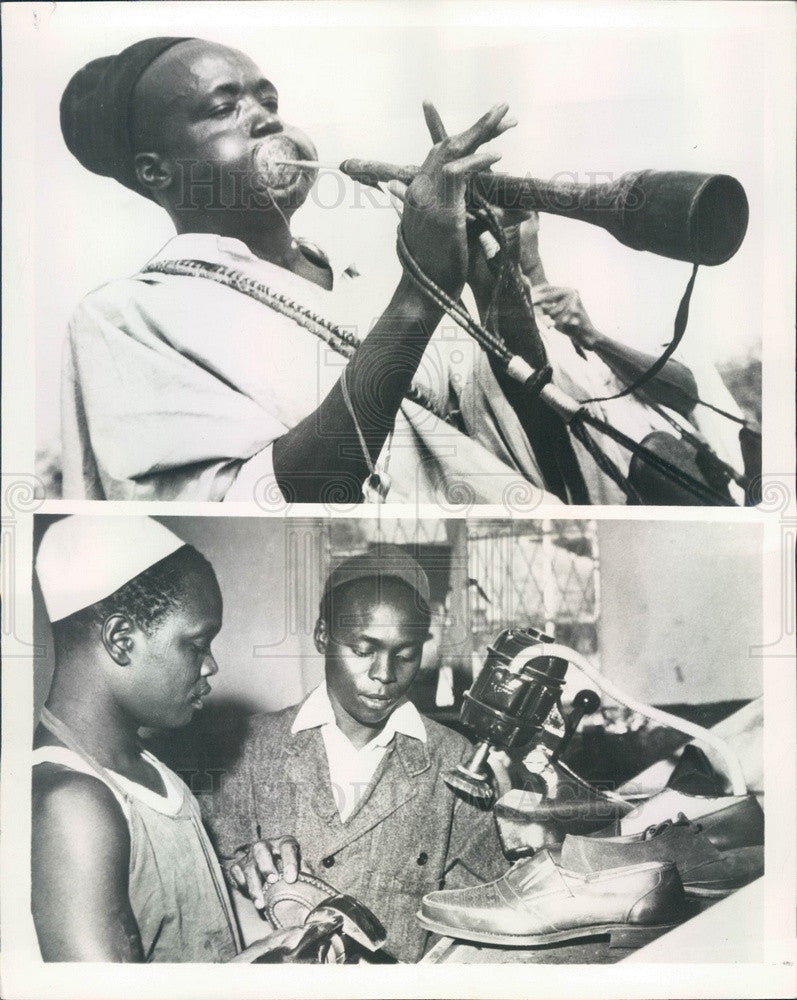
(328,862)
(422,858)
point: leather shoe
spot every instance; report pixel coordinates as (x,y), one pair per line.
(538,902)
(729,821)
(705,870)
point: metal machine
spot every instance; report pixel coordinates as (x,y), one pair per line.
(515,702)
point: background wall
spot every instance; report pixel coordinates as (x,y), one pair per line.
(597,90)
(680,607)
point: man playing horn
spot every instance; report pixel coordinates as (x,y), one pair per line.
(248,385)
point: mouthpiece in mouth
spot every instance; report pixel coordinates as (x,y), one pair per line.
(309,164)
(276,164)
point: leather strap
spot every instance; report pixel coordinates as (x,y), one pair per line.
(679,329)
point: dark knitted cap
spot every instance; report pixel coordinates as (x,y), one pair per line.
(97,105)
(379,563)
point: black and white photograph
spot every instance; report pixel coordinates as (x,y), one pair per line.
(298,265)
(398,514)
(430,741)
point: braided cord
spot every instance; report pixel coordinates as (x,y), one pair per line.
(487,340)
(345,343)
(342,341)
(601,459)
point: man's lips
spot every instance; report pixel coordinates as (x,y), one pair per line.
(267,159)
(377,700)
(197,702)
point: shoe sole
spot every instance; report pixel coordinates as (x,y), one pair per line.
(721,889)
(620,935)
(707,893)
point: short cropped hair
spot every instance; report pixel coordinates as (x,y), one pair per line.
(145,600)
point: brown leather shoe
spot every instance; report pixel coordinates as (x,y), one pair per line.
(537,902)
(705,870)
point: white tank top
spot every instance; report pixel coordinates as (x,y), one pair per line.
(176,888)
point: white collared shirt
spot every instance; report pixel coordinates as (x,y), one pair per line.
(350,769)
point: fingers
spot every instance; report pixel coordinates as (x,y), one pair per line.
(455,173)
(287,850)
(260,865)
(397,189)
(267,854)
(265,861)
(434,122)
(397,192)
(540,294)
(557,303)
(471,164)
(254,886)
(238,876)
(489,126)
(505,126)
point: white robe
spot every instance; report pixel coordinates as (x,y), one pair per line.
(176,388)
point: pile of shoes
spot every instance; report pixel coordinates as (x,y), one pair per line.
(629,880)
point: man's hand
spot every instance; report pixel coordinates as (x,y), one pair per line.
(521,230)
(265,861)
(434,216)
(293,944)
(673,386)
(311,464)
(566,310)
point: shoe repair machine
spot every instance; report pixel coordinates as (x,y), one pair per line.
(515,702)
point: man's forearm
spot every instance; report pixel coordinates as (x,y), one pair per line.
(674,386)
(322,456)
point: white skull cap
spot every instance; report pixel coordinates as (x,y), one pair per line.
(82,560)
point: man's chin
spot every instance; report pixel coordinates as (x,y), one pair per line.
(374,712)
(286,199)
(181,718)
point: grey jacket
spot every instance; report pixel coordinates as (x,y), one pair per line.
(409,834)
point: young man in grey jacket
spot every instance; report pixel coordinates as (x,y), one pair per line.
(354,772)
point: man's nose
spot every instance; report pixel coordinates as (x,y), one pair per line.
(261,121)
(209,666)
(382,669)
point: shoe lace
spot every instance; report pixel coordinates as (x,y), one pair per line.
(681,820)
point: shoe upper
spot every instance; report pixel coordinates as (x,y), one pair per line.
(737,824)
(742,818)
(701,863)
(696,790)
(537,896)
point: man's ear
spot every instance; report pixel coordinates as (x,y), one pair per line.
(117,638)
(153,172)
(321,636)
